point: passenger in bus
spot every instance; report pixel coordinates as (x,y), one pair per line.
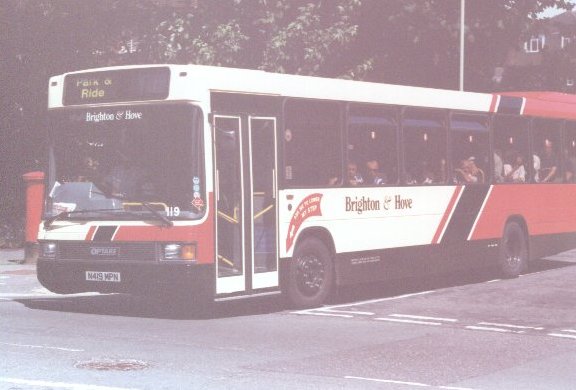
(570,166)
(428,175)
(514,171)
(354,177)
(424,174)
(549,163)
(536,162)
(88,170)
(468,172)
(375,177)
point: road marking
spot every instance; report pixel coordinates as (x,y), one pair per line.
(61,385)
(320,313)
(569,330)
(424,317)
(362,313)
(406,383)
(566,336)
(491,329)
(45,295)
(378,300)
(388,381)
(409,321)
(510,326)
(42,346)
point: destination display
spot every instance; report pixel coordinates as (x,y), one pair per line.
(117,86)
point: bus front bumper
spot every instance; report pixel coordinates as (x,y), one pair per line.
(78,276)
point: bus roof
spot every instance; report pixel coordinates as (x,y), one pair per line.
(195,82)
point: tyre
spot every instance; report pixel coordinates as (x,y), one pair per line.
(513,257)
(310,275)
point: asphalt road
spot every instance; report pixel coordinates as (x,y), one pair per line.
(455,332)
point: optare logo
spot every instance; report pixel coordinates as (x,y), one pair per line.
(108,252)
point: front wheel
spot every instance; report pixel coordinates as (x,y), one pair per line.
(513,257)
(311,274)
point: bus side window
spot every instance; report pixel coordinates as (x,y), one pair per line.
(312,143)
(372,146)
(424,141)
(470,148)
(512,161)
(546,140)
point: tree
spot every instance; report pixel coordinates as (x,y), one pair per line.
(413,42)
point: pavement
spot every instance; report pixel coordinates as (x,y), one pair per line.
(17,278)
(11,257)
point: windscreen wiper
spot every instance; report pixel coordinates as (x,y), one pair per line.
(103,190)
(49,221)
(156,213)
(144,203)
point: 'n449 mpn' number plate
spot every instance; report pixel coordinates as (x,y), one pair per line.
(98,276)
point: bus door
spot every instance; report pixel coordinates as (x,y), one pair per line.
(246,234)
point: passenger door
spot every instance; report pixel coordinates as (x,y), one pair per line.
(246,204)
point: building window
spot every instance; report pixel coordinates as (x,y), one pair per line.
(534,45)
(569,82)
(565,42)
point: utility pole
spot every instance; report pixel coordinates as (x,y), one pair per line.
(462,33)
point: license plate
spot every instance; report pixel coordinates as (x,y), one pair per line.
(98,276)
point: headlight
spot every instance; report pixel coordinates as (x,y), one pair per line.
(49,249)
(185,252)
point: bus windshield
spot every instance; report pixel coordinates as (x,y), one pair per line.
(131,162)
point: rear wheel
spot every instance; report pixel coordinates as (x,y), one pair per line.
(311,274)
(513,257)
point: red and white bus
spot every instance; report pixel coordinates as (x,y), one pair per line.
(207,181)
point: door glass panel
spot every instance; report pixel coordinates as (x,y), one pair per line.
(229,196)
(262,138)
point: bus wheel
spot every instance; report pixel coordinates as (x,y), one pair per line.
(513,257)
(311,274)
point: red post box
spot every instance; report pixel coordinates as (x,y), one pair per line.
(34,203)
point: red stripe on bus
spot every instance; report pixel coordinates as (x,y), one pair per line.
(493,103)
(90,234)
(546,209)
(446,215)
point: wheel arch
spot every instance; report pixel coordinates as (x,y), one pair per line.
(319,233)
(520,220)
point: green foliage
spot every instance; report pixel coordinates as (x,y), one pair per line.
(414,42)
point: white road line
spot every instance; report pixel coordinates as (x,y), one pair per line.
(424,317)
(42,346)
(388,381)
(510,326)
(406,383)
(494,280)
(490,329)
(409,321)
(379,300)
(362,313)
(60,385)
(319,313)
(566,336)
(46,295)
(569,330)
